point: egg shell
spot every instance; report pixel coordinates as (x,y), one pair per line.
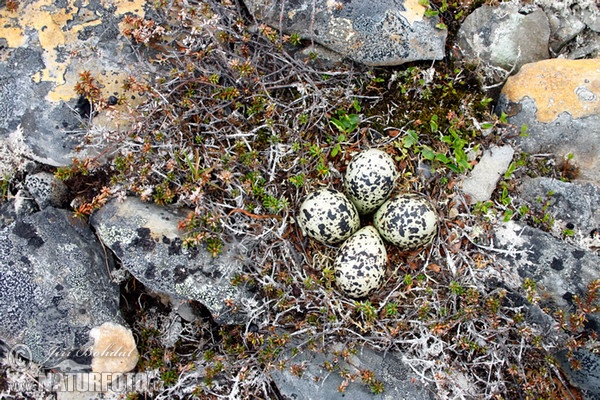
(369,180)
(408,221)
(360,263)
(327,216)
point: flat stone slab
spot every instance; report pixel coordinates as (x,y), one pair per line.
(561,269)
(380,32)
(482,180)
(576,203)
(146,239)
(316,382)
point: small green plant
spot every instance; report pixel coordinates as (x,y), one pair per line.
(345,122)
(4,187)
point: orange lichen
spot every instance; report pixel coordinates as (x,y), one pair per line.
(558,85)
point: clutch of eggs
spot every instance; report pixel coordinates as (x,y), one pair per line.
(408,221)
(327,216)
(360,263)
(369,179)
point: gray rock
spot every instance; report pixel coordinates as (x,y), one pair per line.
(317,383)
(591,17)
(560,269)
(382,32)
(588,377)
(54,287)
(19,206)
(571,202)
(502,39)
(45,126)
(46,189)
(481,181)
(146,240)
(41,61)
(563,30)
(561,137)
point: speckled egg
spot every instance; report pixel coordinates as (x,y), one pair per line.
(370,179)
(360,263)
(327,216)
(408,221)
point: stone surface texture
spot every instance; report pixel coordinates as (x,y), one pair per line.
(588,377)
(146,240)
(561,270)
(316,383)
(558,102)
(46,190)
(570,203)
(383,32)
(54,286)
(506,36)
(482,180)
(50,43)
(558,86)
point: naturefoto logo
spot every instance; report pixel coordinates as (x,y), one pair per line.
(19,357)
(33,379)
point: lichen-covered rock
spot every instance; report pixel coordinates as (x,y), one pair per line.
(46,189)
(360,263)
(504,37)
(573,205)
(561,270)
(145,238)
(370,179)
(407,221)
(316,382)
(557,86)
(45,45)
(328,216)
(558,101)
(389,32)
(587,376)
(54,286)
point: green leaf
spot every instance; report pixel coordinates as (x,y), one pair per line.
(442,158)
(336,149)
(410,139)
(433,124)
(427,153)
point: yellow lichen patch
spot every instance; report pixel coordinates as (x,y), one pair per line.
(56,37)
(415,11)
(558,85)
(12,34)
(114,349)
(127,6)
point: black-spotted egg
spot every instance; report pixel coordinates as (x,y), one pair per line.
(360,263)
(408,221)
(370,179)
(327,216)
